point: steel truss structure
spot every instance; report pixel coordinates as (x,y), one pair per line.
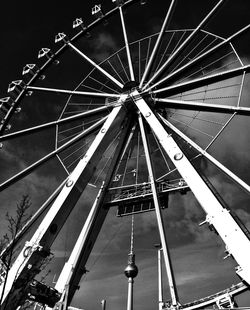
(134,127)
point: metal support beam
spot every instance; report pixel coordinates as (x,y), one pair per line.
(64,279)
(61,121)
(73,92)
(237,243)
(201,57)
(204,153)
(166,254)
(75,266)
(202,81)
(158,42)
(104,72)
(184,44)
(160,290)
(201,106)
(37,249)
(47,157)
(32,220)
(130,65)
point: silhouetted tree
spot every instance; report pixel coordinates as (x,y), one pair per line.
(7,242)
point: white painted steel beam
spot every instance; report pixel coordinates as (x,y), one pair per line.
(237,243)
(199,58)
(158,42)
(41,161)
(203,81)
(61,121)
(73,92)
(201,106)
(104,72)
(207,155)
(75,267)
(32,220)
(184,44)
(158,212)
(160,286)
(234,290)
(69,268)
(130,65)
(34,252)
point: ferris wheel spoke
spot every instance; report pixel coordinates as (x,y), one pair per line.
(166,50)
(99,83)
(52,124)
(116,72)
(104,72)
(199,58)
(50,155)
(193,105)
(206,154)
(122,65)
(158,42)
(214,62)
(74,92)
(203,81)
(187,55)
(180,49)
(162,153)
(130,65)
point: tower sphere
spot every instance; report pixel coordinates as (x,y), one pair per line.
(131,271)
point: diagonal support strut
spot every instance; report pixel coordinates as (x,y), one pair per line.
(236,241)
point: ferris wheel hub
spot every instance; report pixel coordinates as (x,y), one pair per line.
(128,86)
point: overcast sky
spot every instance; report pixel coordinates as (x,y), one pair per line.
(196,252)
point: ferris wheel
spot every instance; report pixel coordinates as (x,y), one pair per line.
(134,119)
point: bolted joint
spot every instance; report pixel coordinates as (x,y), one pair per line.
(40,292)
(18,110)
(31,69)
(61,37)
(30,92)
(8,127)
(118,2)
(228,254)
(203,223)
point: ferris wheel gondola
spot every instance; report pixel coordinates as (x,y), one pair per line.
(137,123)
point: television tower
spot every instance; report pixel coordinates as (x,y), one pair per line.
(131,270)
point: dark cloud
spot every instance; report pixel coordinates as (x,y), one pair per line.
(102,46)
(196,251)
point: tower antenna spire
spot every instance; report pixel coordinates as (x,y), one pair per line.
(132,235)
